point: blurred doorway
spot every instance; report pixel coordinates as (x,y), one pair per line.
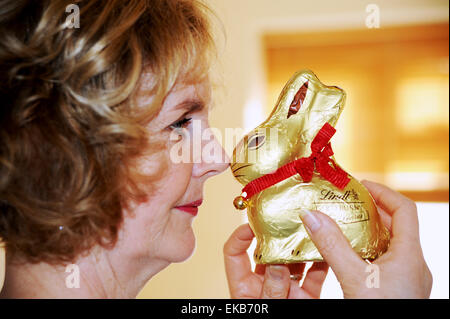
(395,125)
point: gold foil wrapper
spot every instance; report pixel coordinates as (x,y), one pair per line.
(304,106)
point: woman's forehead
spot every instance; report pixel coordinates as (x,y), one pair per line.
(182,89)
(200,91)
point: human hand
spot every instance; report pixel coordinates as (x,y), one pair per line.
(267,281)
(403,272)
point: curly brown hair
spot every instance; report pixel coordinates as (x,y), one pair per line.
(70,132)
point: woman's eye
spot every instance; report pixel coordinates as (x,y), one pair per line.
(181,123)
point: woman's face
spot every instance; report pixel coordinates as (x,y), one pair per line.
(161,227)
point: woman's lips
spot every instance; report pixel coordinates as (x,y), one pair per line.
(191,208)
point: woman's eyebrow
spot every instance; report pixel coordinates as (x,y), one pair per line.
(191,105)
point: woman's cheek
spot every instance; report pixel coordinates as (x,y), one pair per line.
(180,147)
(181,177)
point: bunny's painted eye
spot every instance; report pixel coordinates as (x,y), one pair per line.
(256,141)
(298,100)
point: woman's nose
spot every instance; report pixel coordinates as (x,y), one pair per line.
(214,159)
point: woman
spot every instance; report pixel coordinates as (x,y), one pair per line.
(89,119)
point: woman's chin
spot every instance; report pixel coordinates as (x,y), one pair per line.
(183,248)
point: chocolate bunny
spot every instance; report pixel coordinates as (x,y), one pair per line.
(286,164)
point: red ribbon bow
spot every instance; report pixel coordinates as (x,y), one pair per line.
(319,158)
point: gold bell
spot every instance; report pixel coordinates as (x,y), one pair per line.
(240,203)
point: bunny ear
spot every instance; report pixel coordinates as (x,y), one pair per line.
(297,102)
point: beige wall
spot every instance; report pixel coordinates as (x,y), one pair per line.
(243,77)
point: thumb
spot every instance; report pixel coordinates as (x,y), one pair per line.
(334,247)
(276,282)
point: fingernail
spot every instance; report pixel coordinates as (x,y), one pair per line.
(311,222)
(276,272)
